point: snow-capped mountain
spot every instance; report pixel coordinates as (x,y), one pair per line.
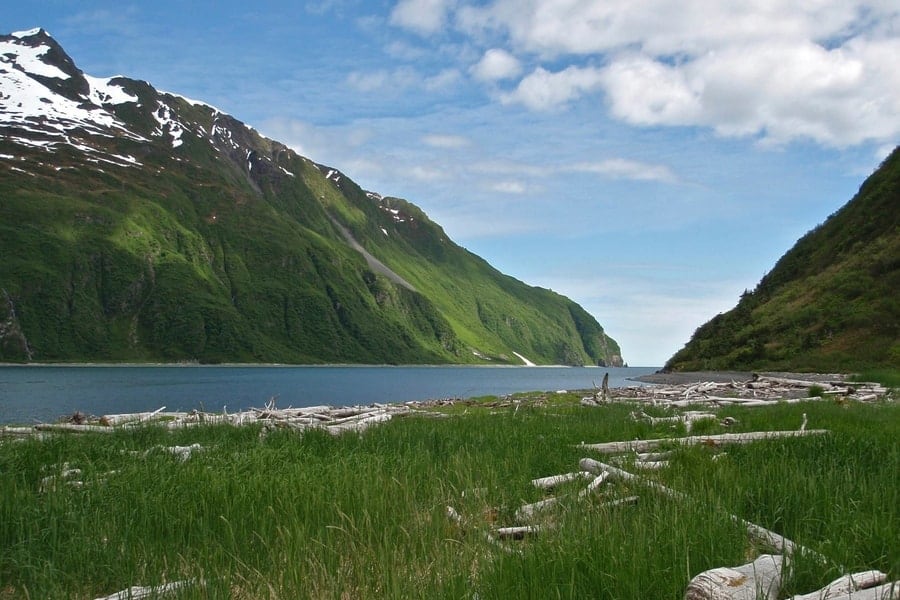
(137,224)
(47,102)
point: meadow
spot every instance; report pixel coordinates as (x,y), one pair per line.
(278,514)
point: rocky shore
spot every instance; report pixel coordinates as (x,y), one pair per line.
(690,377)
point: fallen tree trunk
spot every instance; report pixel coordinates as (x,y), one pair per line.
(516,533)
(776,541)
(760,579)
(137,592)
(112,420)
(71,427)
(707,440)
(888,591)
(843,586)
(546,483)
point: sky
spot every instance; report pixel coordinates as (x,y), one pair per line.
(650,160)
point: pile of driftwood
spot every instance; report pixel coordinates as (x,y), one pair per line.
(759,579)
(334,420)
(760,390)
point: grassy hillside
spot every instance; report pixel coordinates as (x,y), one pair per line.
(210,256)
(142,226)
(831,303)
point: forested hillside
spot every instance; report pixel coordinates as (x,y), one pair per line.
(831,303)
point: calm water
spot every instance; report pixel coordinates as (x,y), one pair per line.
(38,393)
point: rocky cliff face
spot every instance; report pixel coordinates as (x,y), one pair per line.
(137,224)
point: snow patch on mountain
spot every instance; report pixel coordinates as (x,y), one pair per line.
(193,102)
(104,92)
(36,116)
(28,59)
(25,34)
(168,124)
(24,101)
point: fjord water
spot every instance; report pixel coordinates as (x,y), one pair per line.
(45,393)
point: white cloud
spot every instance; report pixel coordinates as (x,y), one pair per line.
(447,78)
(508,187)
(383,79)
(508,167)
(496,64)
(544,90)
(426,173)
(621,168)
(422,16)
(446,141)
(781,92)
(397,80)
(663,27)
(781,70)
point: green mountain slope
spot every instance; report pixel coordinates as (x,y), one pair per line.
(831,303)
(137,225)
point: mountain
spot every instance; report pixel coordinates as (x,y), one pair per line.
(831,303)
(139,225)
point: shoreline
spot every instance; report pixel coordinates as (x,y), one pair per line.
(308,365)
(689,377)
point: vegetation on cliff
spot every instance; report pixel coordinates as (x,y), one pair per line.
(831,303)
(136,225)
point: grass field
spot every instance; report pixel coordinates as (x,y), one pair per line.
(286,515)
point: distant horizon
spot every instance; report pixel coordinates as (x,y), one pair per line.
(649,161)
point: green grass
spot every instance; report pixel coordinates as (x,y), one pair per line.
(364,516)
(886,377)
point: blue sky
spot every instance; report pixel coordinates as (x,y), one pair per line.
(651,160)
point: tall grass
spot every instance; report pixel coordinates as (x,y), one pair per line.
(364,516)
(886,377)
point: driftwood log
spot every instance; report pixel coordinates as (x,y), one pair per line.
(546,483)
(137,592)
(334,420)
(843,587)
(772,539)
(761,390)
(706,440)
(760,579)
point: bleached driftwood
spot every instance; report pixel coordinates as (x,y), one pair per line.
(651,465)
(600,396)
(652,456)
(772,539)
(594,484)
(137,592)
(620,502)
(887,591)
(183,452)
(546,483)
(707,440)
(529,511)
(518,532)
(760,579)
(334,420)
(453,515)
(688,418)
(141,417)
(762,390)
(72,427)
(843,586)
(358,424)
